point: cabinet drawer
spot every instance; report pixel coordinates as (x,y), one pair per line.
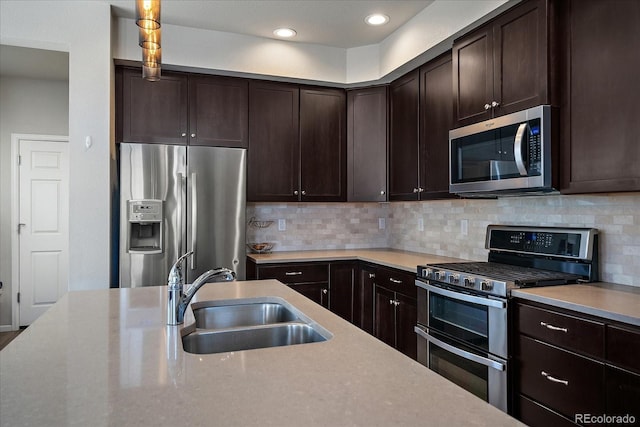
(397,280)
(563,381)
(533,414)
(584,336)
(623,347)
(295,273)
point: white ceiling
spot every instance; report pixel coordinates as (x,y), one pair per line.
(337,23)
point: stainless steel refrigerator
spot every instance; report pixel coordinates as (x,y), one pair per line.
(175,199)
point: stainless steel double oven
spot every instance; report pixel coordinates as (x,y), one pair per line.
(463,308)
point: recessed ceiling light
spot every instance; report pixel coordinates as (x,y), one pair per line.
(285,32)
(376,19)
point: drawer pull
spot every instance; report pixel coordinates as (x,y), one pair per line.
(293,273)
(372,276)
(554,328)
(552,379)
(392,280)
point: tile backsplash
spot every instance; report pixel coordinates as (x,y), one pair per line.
(456,227)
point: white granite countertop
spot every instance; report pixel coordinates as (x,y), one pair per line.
(402,260)
(106,358)
(607,300)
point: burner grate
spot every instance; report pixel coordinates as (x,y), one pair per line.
(520,276)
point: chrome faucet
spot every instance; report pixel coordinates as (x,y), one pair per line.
(178,300)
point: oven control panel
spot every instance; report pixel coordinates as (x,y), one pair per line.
(574,243)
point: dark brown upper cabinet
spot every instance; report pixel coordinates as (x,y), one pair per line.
(436,119)
(218,111)
(506,65)
(323,145)
(600,87)
(404,100)
(182,109)
(421,117)
(154,112)
(367,120)
(274,147)
(297,144)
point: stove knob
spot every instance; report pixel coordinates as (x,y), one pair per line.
(454,278)
(486,285)
(469,282)
(438,275)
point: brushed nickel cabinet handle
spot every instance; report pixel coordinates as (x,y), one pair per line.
(392,280)
(372,276)
(553,379)
(554,328)
(293,273)
(487,106)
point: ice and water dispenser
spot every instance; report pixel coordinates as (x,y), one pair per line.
(145,226)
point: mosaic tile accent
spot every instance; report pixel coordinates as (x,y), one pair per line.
(355,225)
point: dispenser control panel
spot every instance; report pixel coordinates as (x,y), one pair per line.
(145,210)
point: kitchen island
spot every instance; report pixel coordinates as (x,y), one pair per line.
(107,358)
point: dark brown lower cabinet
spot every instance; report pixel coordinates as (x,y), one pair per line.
(396,310)
(363,298)
(623,394)
(318,292)
(559,379)
(574,369)
(380,300)
(342,277)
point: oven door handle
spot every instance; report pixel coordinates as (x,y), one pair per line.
(459,352)
(461,296)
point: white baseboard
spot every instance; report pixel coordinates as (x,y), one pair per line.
(6,328)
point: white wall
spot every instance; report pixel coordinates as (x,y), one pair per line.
(216,50)
(32,107)
(82,28)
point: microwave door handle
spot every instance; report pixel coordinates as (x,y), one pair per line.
(459,352)
(518,142)
(461,296)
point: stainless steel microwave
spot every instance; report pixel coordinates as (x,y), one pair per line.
(508,155)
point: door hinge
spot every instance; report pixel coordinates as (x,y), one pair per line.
(18,297)
(19,160)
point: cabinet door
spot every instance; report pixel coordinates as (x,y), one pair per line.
(436,119)
(341,287)
(323,148)
(273,156)
(218,111)
(384,325)
(623,393)
(520,72)
(404,96)
(600,140)
(406,320)
(152,112)
(363,298)
(317,292)
(473,76)
(367,145)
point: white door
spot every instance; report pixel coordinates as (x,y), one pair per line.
(43,229)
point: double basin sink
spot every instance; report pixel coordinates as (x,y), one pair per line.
(246,324)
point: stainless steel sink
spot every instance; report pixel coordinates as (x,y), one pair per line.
(246,324)
(216,316)
(220,341)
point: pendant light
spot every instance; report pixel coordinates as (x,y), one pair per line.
(149,38)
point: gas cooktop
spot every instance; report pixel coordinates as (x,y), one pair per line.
(523,257)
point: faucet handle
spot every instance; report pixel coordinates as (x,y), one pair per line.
(174,280)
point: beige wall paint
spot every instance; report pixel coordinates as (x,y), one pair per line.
(83,29)
(30,107)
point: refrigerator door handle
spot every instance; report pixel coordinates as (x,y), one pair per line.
(181,192)
(194,219)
